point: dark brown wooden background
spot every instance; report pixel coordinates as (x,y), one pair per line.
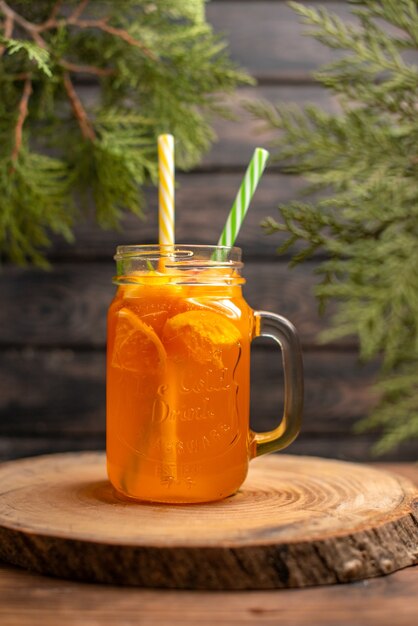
(52,324)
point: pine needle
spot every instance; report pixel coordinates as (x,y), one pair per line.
(158,66)
(365,220)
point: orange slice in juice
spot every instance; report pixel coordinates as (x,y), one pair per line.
(200,335)
(137,348)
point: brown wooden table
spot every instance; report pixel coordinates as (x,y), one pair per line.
(32,599)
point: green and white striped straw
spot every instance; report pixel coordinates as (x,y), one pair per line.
(244,196)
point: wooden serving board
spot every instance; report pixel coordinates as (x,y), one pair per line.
(296,521)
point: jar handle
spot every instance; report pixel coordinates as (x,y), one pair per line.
(284,333)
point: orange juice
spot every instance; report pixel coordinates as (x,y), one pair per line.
(178,391)
(178,368)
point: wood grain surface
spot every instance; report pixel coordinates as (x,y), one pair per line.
(236,139)
(202,199)
(295,522)
(68,307)
(28,599)
(267,37)
(36,385)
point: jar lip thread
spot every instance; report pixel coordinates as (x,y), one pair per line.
(178,281)
(179,264)
(180,253)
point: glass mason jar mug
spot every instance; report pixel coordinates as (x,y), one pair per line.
(178,375)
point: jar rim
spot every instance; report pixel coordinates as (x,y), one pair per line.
(180,263)
(179,252)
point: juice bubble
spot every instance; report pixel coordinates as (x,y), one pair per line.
(137,347)
(199,334)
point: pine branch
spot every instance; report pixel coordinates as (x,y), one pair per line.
(7,31)
(157,66)
(79,10)
(55,10)
(116,32)
(23,113)
(362,167)
(33,202)
(40,56)
(73,20)
(30,28)
(86,69)
(80,113)
(100,24)
(50,22)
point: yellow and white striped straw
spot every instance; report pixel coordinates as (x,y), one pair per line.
(169,472)
(166,189)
